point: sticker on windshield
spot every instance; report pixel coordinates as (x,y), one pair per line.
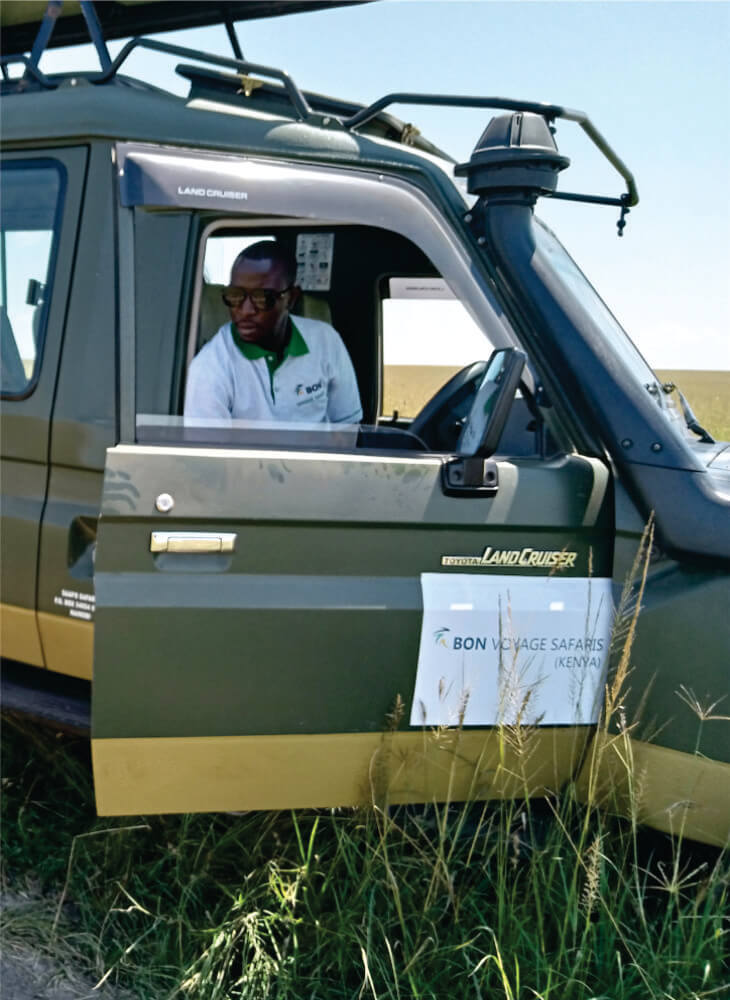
(509,649)
(314,261)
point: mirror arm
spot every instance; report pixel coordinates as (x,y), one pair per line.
(470,475)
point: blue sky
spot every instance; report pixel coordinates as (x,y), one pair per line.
(653,77)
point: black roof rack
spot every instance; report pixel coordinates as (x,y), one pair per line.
(549,111)
(238,91)
(304,106)
(212,12)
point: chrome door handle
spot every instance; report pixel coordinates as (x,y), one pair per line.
(192,541)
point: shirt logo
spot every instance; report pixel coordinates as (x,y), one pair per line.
(307,390)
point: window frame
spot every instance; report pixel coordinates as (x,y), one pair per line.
(256,193)
(264,225)
(61,170)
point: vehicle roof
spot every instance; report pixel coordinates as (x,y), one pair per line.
(125,109)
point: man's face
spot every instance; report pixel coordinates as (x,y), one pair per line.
(261,326)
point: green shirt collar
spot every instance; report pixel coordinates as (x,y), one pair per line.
(295,348)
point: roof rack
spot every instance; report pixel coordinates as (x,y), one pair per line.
(111,67)
(298,100)
(233,89)
(549,111)
(302,109)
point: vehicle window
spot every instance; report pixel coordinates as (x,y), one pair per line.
(574,279)
(357,287)
(610,329)
(29,222)
(428,336)
(221,251)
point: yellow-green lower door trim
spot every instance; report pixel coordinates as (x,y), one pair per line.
(209,774)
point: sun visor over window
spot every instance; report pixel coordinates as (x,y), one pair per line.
(159,178)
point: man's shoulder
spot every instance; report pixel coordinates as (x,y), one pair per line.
(217,348)
(317,334)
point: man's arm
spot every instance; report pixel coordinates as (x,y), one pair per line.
(343,402)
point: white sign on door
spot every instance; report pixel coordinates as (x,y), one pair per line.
(512,649)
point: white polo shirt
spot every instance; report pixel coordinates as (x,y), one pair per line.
(314,381)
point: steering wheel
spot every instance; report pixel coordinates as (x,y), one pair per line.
(439,422)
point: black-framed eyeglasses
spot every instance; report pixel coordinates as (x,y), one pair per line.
(261,298)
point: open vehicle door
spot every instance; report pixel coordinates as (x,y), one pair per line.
(278,623)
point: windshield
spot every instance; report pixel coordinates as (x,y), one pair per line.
(619,341)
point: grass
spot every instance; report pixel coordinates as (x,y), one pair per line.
(408,387)
(510,900)
(546,899)
(709,396)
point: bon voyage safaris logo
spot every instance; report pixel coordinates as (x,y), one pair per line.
(443,637)
(440,637)
(590,650)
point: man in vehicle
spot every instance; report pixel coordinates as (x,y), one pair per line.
(266,364)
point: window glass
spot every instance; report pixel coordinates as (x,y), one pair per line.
(29,214)
(428,335)
(354,284)
(220,252)
(611,330)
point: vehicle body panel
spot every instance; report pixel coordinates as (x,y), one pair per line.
(330,769)
(26,433)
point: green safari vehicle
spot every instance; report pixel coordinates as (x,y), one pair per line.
(307,614)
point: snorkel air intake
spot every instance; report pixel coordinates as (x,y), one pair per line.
(515,153)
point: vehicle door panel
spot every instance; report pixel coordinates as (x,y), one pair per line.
(265,677)
(311,627)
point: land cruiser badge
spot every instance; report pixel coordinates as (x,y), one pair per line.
(524,558)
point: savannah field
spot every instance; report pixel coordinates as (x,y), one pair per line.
(408,387)
(709,396)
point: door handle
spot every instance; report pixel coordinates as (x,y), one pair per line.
(192,541)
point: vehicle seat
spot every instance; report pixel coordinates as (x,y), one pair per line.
(214,313)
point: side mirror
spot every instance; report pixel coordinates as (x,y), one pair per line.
(483,427)
(34,292)
(473,473)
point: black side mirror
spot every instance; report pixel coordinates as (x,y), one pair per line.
(483,427)
(34,293)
